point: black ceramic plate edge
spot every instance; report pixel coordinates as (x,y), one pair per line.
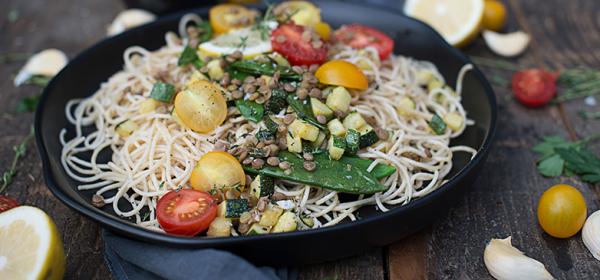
(231,243)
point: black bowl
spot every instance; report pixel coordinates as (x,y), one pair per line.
(87,71)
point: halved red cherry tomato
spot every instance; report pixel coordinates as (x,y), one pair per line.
(186,212)
(359,36)
(7,203)
(288,40)
(534,87)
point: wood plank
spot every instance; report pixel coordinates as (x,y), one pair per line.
(368,266)
(503,202)
(70,26)
(407,259)
(572,35)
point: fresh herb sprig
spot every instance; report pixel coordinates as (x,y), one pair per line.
(28,104)
(589,115)
(561,157)
(20,151)
(262,24)
(575,83)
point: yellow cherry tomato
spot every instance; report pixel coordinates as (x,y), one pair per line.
(226,17)
(217,170)
(494,15)
(342,73)
(324,30)
(300,12)
(561,211)
(201,107)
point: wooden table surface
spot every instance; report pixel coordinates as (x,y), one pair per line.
(501,203)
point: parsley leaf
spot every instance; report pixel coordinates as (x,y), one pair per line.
(561,157)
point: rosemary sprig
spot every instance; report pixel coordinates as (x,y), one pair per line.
(243,43)
(496,63)
(588,115)
(20,150)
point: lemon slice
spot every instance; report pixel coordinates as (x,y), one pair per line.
(458,21)
(251,41)
(30,246)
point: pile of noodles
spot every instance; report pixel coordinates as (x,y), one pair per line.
(160,155)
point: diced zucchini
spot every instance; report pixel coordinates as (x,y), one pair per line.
(336,147)
(286,223)
(196,76)
(354,121)
(405,106)
(148,105)
(424,77)
(294,143)
(319,108)
(219,227)
(256,229)
(264,134)
(320,139)
(232,208)
(279,59)
(266,78)
(215,72)
(434,84)
(262,186)
(326,92)
(270,216)
(304,130)
(176,118)
(339,99)
(352,141)
(368,138)
(277,102)
(336,128)
(270,124)
(126,128)
(454,121)
(308,221)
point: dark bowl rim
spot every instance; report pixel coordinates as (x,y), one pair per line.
(123,226)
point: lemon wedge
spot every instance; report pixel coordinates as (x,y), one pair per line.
(458,21)
(251,41)
(30,246)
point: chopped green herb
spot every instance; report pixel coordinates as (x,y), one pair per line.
(250,110)
(188,55)
(28,104)
(205,32)
(561,157)
(437,124)
(163,92)
(243,43)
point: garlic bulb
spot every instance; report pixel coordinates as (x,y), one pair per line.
(508,45)
(45,63)
(505,262)
(129,19)
(591,234)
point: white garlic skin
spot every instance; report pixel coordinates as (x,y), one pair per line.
(45,63)
(505,262)
(507,45)
(591,234)
(128,19)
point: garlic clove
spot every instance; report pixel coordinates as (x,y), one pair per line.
(45,63)
(591,234)
(128,19)
(508,45)
(505,262)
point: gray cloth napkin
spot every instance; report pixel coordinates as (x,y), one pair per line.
(132,260)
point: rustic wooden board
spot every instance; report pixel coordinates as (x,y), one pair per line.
(501,203)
